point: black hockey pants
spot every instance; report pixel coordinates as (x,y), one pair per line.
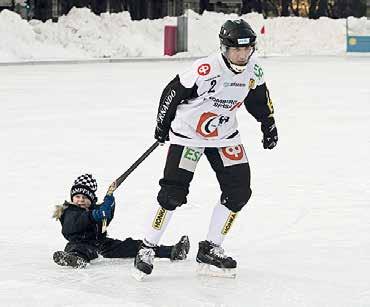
(112,248)
(229,163)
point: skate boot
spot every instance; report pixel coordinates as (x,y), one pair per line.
(181,249)
(213,261)
(143,262)
(68,259)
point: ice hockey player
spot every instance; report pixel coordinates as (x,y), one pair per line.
(81,221)
(197,114)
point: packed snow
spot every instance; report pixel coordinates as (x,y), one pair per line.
(83,35)
(303,239)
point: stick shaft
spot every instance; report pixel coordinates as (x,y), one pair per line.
(116,183)
(122,178)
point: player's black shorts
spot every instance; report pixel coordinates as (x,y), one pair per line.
(229,163)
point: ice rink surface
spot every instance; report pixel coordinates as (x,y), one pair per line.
(303,239)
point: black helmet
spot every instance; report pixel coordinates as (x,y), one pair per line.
(237,33)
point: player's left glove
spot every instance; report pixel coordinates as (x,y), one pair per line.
(270,134)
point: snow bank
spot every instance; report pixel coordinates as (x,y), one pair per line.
(83,35)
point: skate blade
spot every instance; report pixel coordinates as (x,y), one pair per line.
(138,275)
(210,270)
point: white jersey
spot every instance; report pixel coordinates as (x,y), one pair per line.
(209,120)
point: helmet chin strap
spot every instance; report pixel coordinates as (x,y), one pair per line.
(237,68)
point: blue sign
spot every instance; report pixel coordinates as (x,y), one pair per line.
(358,43)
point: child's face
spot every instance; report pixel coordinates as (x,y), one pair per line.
(81,201)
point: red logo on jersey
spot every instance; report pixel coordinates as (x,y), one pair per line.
(209,122)
(204,69)
(206,126)
(233,152)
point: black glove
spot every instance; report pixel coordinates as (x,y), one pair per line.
(161,135)
(270,134)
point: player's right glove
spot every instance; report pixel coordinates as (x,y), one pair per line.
(105,209)
(270,134)
(161,135)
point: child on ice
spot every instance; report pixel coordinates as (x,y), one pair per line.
(82,220)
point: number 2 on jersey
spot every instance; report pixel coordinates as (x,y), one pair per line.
(213,84)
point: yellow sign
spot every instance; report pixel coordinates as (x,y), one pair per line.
(352,41)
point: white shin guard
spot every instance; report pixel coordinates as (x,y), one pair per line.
(221,222)
(160,218)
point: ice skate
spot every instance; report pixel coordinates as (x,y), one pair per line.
(66,259)
(143,263)
(181,249)
(212,261)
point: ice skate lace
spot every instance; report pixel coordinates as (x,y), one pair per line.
(219,252)
(146,255)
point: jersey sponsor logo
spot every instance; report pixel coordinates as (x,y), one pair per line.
(204,69)
(252,83)
(233,155)
(269,103)
(209,122)
(229,222)
(223,103)
(190,157)
(233,152)
(227,84)
(192,154)
(270,106)
(258,71)
(159,218)
(165,105)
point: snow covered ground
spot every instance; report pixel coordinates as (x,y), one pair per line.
(303,240)
(83,35)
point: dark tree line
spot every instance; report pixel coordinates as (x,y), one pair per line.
(152,9)
(307,8)
(138,9)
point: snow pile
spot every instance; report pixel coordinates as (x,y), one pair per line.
(359,26)
(83,35)
(17,37)
(108,35)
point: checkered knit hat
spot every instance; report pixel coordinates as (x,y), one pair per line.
(85,185)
